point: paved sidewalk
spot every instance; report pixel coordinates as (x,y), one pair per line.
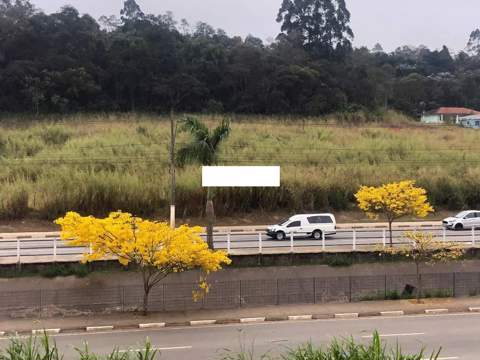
(268,313)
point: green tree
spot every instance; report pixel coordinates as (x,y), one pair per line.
(422,248)
(203,149)
(131,11)
(321,25)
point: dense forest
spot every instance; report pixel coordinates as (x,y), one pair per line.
(68,62)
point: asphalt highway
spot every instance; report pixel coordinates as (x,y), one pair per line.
(456,334)
(241,242)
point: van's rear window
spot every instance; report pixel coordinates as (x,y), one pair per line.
(320,220)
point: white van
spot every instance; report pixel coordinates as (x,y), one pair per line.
(307,225)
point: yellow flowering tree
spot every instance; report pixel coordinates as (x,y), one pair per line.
(394,201)
(423,248)
(154,248)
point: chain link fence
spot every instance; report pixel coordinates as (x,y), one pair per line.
(238,293)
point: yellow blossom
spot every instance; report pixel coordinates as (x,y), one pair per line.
(154,247)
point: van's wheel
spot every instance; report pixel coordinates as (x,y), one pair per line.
(458,227)
(317,235)
(280,235)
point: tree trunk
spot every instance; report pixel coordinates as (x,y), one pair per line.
(145,300)
(391,232)
(419,283)
(210,212)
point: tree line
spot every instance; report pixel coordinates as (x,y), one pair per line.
(68,62)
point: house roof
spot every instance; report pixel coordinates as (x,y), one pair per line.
(454,111)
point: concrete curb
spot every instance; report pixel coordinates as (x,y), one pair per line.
(300,317)
(251,320)
(46,331)
(436,311)
(392,313)
(99,328)
(202,322)
(346,316)
(151,325)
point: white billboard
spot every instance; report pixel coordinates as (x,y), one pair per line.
(241,176)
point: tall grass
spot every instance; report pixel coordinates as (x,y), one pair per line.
(103,162)
(346,349)
(44,348)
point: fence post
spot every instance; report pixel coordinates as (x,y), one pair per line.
(314,290)
(385,285)
(323,241)
(349,289)
(354,242)
(123,299)
(240,292)
(18,250)
(55,249)
(291,242)
(473,236)
(278,294)
(90,250)
(444,234)
(229,241)
(454,280)
(384,238)
(260,244)
(40,303)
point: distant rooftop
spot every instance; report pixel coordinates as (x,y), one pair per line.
(453,111)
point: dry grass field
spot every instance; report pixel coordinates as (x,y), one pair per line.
(97,163)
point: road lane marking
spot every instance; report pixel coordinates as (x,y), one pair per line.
(279,341)
(187,347)
(393,335)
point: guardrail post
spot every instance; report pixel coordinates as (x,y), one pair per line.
(229,241)
(323,241)
(291,242)
(55,249)
(354,242)
(473,236)
(444,234)
(260,244)
(384,238)
(18,250)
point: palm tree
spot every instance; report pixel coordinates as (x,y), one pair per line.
(203,149)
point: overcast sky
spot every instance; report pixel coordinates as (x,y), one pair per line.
(390,22)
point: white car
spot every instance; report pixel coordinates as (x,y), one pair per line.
(307,225)
(464,220)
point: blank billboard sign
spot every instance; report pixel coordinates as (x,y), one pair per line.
(241,176)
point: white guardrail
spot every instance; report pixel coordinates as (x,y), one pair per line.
(47,247)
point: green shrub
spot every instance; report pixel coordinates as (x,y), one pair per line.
(56,270)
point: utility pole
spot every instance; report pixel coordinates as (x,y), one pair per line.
(173,135)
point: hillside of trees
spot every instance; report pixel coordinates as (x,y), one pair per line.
(69,62)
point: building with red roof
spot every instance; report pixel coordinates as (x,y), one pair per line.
(447,115)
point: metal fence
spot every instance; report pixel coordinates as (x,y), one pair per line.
(49,248)
(237,293)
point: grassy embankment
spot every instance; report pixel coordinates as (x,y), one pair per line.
(99,163)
